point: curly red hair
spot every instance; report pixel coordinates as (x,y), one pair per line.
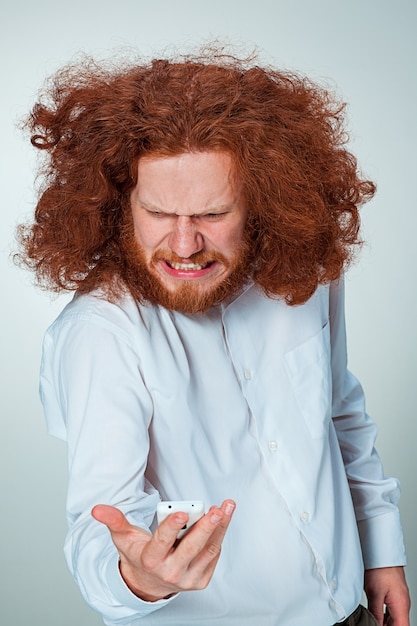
(286,136)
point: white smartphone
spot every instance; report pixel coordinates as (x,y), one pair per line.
(193,508)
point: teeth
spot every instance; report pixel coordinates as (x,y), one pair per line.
(186,266)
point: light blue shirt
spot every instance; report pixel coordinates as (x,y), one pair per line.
(250,401)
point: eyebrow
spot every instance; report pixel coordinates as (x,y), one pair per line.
(149,206)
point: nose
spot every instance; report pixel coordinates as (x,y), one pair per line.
(185,238)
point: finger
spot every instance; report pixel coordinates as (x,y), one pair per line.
(113,518)
(128,539)
(220,519)
(376,607)
(203,542)
(164,538)
(228,507)
(200,570)
(397,615)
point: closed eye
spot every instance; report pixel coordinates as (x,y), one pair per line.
(155,213)
(214,216)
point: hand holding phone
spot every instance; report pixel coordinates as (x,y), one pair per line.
(148,560)
(193,508)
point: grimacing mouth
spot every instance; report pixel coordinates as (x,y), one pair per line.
(189,266)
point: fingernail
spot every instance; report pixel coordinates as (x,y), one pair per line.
(216,517)
(229,508)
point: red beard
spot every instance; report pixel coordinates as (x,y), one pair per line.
(189,296)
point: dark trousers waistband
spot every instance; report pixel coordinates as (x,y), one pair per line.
(360,617)
(348,621)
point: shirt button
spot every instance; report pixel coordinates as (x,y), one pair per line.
(273,446)
(247,374)
(333,584)
(305,516)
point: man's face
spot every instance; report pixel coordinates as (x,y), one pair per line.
(189,220)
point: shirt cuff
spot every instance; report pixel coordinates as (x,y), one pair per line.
(382,541)
(125,596)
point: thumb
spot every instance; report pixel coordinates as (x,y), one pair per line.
(114,519)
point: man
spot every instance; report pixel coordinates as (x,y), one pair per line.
(205,210)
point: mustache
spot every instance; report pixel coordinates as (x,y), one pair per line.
(199,258)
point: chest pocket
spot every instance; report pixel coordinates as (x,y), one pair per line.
(308,368)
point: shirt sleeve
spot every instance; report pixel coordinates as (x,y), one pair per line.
(94,398)
(375,496)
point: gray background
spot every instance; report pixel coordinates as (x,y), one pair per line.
(365,47)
